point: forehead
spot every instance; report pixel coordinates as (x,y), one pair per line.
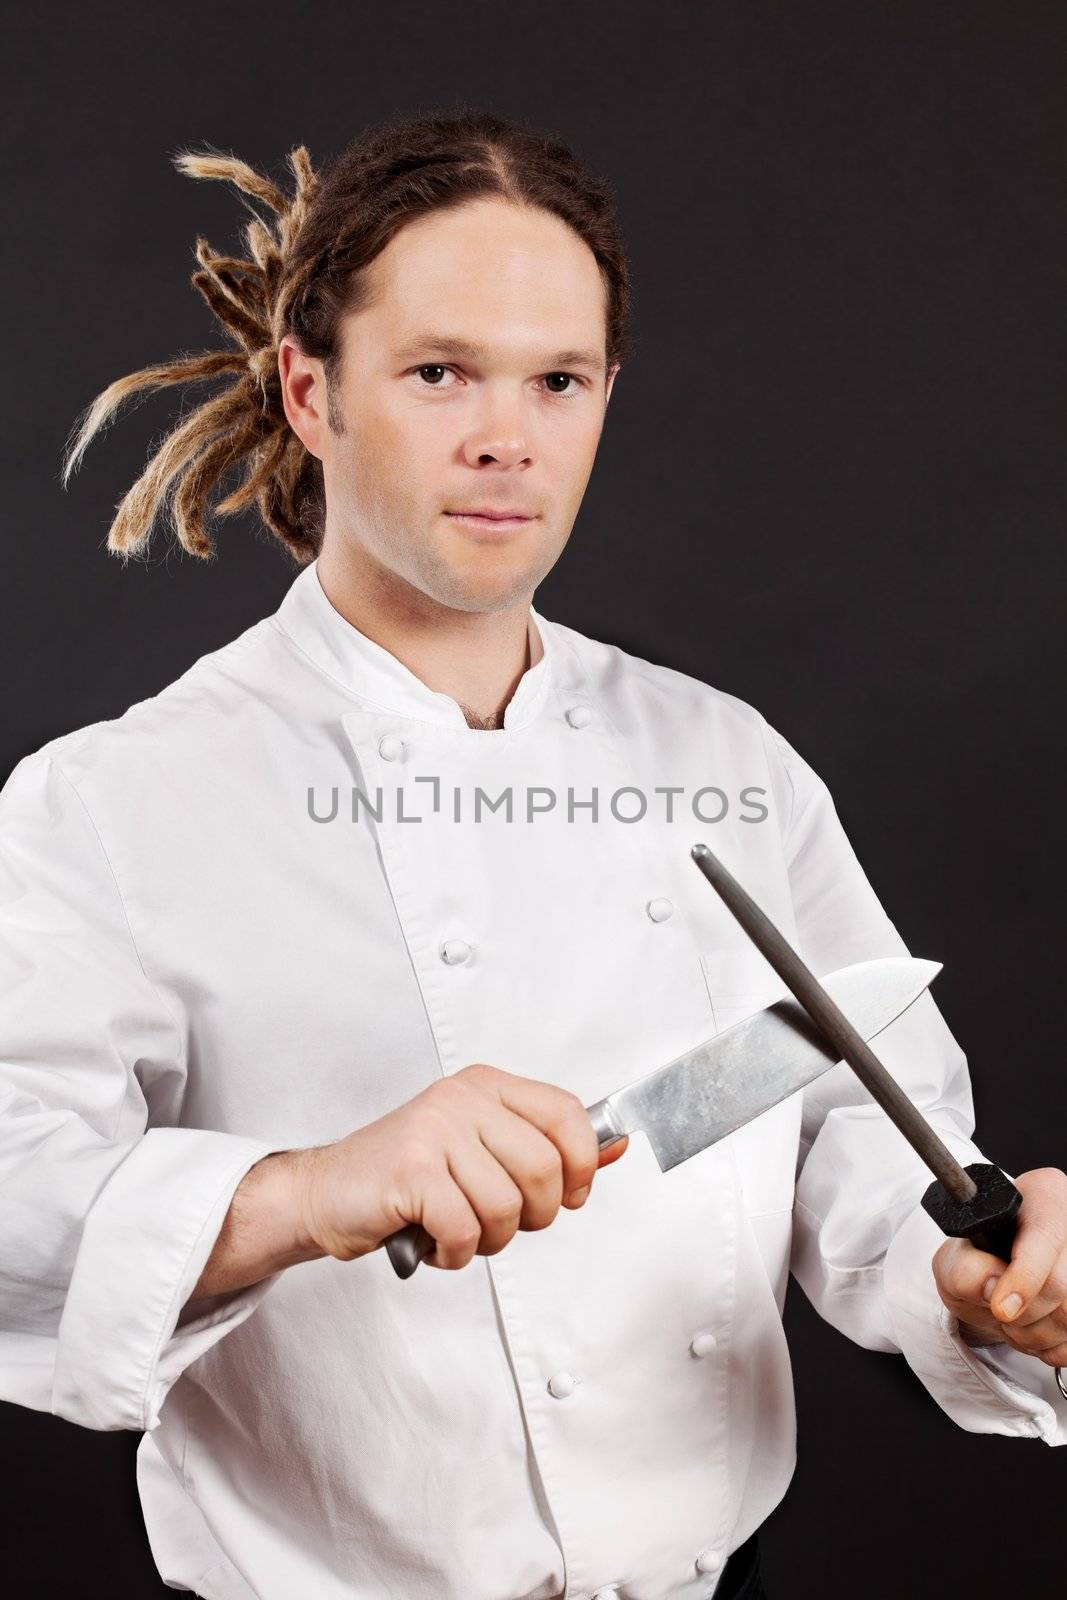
(501,272)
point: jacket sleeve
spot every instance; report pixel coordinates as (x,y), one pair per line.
(863,1245)
(109,1214)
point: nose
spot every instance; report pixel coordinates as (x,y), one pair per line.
(499,434)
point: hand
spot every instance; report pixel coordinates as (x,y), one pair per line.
(1037,1276)
(474,1157)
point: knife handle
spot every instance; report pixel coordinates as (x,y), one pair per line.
(408,1245)
(989,1220)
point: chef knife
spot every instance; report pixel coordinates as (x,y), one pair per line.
(978,1202)
(712,1090)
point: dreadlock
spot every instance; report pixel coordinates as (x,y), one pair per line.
(302,274)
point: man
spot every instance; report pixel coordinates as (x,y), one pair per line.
(343,929)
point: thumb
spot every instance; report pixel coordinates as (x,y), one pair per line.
(613,1152)
(1039,1240)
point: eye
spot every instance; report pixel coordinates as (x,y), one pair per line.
(433,366)
(568,377)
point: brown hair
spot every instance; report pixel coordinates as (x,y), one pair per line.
(304,273)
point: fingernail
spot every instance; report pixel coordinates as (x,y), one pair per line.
(1011,1304)
(988,1287)
(578,1196)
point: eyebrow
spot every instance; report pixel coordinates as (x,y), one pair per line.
(451,345)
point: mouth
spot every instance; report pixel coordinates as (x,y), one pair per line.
(500,521)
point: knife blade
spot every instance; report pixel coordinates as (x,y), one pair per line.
(708,1092)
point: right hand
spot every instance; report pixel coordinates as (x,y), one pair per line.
(473,1157)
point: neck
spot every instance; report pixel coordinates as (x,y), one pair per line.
(475,657)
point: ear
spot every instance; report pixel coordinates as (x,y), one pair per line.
(610,382)
(303,384)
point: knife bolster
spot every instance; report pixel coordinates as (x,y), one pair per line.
(605,1126)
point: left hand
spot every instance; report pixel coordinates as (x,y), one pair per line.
(1037,1275)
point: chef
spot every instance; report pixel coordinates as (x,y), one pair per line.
(340,930)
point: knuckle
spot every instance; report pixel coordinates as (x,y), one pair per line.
(465,1240)
(505,1211)
(417,1156)
(1048,1226)
(435,1100)
(544,1171)
(944,1256)
(539,1220)
(476,1072)
(576,1133)
(957,1280)
(572,1104)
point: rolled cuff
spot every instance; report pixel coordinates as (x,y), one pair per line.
(146,1241)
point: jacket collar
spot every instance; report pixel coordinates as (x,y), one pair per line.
(377,677)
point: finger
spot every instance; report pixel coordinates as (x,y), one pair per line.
(557,1114)
(450,1220)
(1048,1334)
(530,1160)
(1039,1244)
(1036,1337)
(969,1278)
(964,1271)
(492,1194)
(958,1271)
(612,1152)
(1044,1304)
(1021,1340)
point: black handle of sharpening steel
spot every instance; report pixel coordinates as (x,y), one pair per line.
(989,1220)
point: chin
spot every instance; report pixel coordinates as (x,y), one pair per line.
(477,592)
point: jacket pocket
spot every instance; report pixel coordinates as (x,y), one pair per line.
(740,982)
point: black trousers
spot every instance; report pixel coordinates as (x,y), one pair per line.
(741,1577)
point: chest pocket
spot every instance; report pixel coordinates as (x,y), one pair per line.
(741,981)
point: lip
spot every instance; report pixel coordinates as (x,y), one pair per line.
(492,514)
(491,521)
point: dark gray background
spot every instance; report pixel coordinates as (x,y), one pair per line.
(831,482)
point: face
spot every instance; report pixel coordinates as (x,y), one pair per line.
(474,378)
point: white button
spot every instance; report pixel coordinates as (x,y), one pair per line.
(610,1593)
(659,910)
(390,745)
(578,716)
(561,1385)
(454,951)
(709,1561)
(703,1344)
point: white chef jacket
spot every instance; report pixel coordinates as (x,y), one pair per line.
(200,964)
